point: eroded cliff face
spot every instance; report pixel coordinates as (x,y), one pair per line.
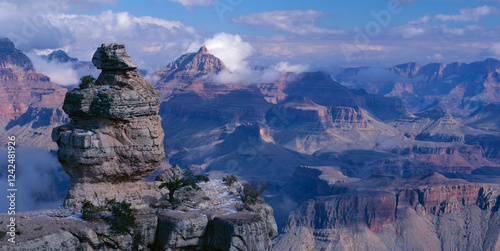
(30,104)
(115,137)
(424,212)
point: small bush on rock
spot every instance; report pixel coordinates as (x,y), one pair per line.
(90,212)
(87,82)
(188,180)
(122,218)
(230,180)
(252,192)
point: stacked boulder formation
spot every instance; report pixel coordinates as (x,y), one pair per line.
(115,137)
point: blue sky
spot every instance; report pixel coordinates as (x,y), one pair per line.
(318,34)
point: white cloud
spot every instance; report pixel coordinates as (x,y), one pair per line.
(423,25)
(44,25)
(59,73)
(231,49)
(495,49)
(468,14)
(190,3)
(436,56)
(287,67)
(151,42)
(293,21)
(414,27)
(234,52)
(452,31)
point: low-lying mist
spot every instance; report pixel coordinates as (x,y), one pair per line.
(40,180)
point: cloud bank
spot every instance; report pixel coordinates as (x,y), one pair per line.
(60,73)
(234,52)
(40,180)
(292,21)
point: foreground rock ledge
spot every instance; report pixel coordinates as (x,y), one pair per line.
(210,220)
(115,137)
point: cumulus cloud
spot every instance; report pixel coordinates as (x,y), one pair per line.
(231,49)
(234,52)
(423,26)
(292,21)
(468,14)
(59,73)
(287,67)
(453,31)
(414,27)
(151,42)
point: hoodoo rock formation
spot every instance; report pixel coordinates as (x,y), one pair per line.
(115,137)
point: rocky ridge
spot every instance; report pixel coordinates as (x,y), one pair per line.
(459,87)
(187,68)
(210,219)
(30,104)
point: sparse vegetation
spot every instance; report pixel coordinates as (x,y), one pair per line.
(87,82)
(2,234)
(90,212)
(252,192)
(122,219)
(188,180)
(229,180)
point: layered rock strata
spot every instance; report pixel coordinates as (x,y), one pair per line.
(115,137)
(424,212)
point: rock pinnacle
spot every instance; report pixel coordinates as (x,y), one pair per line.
(112,56)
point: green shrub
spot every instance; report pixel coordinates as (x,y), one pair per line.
(252,191)
(89,211)
(230,180)
(122,218)
(2,234)
(188,180)
(87,82)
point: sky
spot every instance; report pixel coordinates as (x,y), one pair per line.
(292,35)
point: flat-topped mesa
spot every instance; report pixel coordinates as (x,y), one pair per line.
(115,137)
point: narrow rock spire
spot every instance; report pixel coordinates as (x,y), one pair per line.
(203,50)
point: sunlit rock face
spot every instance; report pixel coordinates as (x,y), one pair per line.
(115,137)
